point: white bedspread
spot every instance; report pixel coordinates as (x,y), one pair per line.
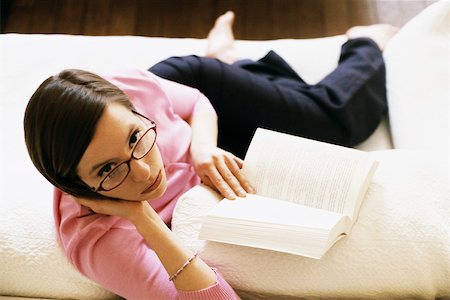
(32,263)
(398,248)
(400,244)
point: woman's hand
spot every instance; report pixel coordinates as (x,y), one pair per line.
(129,210)
(220,170)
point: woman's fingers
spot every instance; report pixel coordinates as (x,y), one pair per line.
(235,165)
(98,206)
(223,191)
(221,170)
(238,161)
(228,172)
(221,185)
(119,208)
(87,202)
(226,177)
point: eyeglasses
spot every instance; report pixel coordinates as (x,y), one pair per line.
(143,146)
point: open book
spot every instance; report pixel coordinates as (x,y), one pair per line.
(308,196)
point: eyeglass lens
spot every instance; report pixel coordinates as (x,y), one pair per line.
(145,144)
(118,175)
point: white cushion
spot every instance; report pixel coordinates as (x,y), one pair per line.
(398,248)
(418,78)
(32,263)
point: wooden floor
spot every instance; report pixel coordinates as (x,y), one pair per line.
(256,19)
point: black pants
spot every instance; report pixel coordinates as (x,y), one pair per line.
(344,108)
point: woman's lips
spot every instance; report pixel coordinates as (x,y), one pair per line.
(154,185)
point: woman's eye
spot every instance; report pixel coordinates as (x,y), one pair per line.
(104,170)
(134,138)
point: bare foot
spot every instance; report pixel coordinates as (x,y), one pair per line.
(380,33)
(221,39)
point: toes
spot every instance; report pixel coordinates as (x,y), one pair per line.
(226,18)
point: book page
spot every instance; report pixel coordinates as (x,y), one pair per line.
(307,172)
(273,224)
(260,209)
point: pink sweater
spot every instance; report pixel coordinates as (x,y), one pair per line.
(108,249)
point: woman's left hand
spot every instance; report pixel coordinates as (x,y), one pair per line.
(121,208)
(220,170)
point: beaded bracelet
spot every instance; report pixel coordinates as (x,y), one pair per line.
(183,266)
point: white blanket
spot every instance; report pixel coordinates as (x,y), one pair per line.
(33,265)
(399,246)
(418,80)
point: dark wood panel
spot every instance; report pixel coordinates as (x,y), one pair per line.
(310,18)
(255,19)
(361,12)
(69,17)
(149,18)
(199,26)
(97,17)
(123,18)
(20,16)
(284,19)
(336,17)
(43,15)
(176,18)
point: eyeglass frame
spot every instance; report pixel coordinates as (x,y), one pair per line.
(153,127)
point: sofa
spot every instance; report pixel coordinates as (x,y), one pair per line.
(398,248)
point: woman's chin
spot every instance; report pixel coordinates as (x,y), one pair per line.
(157,193)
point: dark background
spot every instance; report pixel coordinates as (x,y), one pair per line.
(255,19)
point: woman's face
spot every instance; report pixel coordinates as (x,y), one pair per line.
(115,137)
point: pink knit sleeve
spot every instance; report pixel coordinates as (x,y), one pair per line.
(216,291)
(121,261)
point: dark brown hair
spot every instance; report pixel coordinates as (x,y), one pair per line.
(60,121)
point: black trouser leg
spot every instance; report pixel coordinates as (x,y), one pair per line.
(343,108)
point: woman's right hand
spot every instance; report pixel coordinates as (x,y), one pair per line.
(121,208)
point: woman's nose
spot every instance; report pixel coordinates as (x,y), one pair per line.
(140,170)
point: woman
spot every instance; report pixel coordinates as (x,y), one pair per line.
(120,149)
